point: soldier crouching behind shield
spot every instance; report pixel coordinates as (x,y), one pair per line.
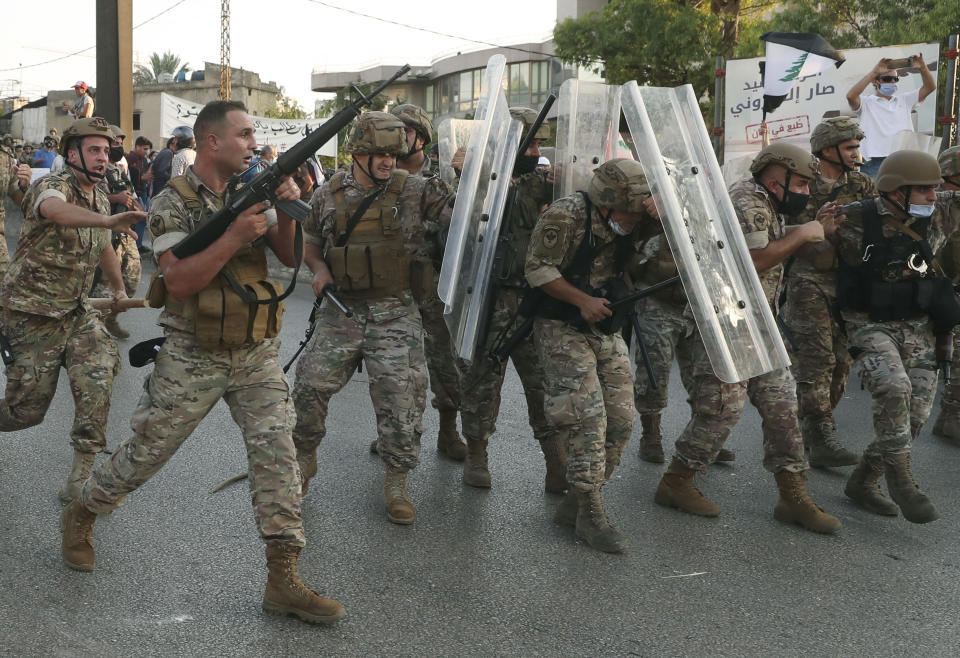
(582,243)
(217,346)
(46,317)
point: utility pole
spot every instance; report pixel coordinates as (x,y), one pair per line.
(224,50)
(114,101)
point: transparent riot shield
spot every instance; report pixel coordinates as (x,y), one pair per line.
(475,225)
(451,135)
(701,226)
(588,133)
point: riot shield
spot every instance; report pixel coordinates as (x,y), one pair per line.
(701,226)
(588,133)
(451,135)
(475,225)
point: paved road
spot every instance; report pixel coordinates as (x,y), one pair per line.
(181,571)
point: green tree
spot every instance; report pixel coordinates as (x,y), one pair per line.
(165,63)
(286,108)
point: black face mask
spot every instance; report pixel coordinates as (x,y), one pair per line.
(525,164)
(116,153)
(793,203)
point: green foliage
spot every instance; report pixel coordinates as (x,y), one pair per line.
(165,63)
(286,108)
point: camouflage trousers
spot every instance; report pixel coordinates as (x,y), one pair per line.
(4,253)
(77,342)
(130,268)
(897,365)
(950,400)
(663,325)
(716,407)
(821,360)
(589,398)
(186,382)
(481,383)
(391,350)
(444,379)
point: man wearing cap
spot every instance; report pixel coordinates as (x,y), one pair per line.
(43,158)
(778,189)
(45,316)
(83,108)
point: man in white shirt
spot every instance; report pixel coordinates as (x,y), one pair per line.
(886,113)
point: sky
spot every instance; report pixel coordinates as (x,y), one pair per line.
(282,40)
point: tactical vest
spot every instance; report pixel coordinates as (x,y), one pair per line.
(895,279)
(221,319)
(372,262)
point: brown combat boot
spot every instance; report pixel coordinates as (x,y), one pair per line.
(76,522)
(449,442)
(82,463)
(593,526)
(113,326)
(651,441)
(725,455)
(555,456)
(863,488)
(913,503)
(795,505)
(308,468)
(948,425)
(820,440)
(566,513)
(287,595)
(676,489)
(475,471)
(399,507)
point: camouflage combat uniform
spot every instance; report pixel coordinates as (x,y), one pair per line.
(188,380)
(384,333)
(8,188)
(949,257)
(717,405)
(130,266)
(48,321)
(819,350)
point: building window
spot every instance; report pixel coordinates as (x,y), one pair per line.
(136,121)
(430,108)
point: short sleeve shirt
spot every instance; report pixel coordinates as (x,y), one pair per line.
(882,119)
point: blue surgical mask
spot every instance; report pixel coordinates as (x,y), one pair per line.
(887,89)
(920,211)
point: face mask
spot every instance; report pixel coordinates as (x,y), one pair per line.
(887,89)
(116,152)
(524,164)
(920,211)
(793,203)
(616,228)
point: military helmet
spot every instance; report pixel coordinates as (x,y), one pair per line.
(85,128)
(117,131)
(378,132)
(184,135)
(833,131)
(618,184)
(949,162)
(528,117)
(794,158)
(908,168)
(414,117)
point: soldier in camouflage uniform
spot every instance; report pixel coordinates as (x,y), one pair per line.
(218,345)
(581,246)
(14,179)
(484,379)
(444,380)
(821,361)
(46,317)
(899,310)
(948,420)
(778,189)
(380,260)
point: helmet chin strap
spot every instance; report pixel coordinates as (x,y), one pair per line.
(369,170)
(839,161)
(92,175)
(904,207)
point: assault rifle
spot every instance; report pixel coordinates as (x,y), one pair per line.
(329,292)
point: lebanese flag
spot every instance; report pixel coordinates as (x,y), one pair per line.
(789,57)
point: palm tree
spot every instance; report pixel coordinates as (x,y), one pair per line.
(159,64)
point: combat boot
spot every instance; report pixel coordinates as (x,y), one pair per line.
(566,513)
(863,488)
(948,425)
(308,468)
(82,463)
(651,441)
(475,471)
(286,594)
(76,522)
(725,455)
(449,442)
(113,326)
(555,457)
(399,507)
(824,450)
(676,489)
(593,526)
(795,505)
(913,503)
(373,447)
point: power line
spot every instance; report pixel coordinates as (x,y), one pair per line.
(83,50)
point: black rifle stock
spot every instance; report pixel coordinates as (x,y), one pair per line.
(263,187)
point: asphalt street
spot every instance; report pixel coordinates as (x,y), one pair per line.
(180,571)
